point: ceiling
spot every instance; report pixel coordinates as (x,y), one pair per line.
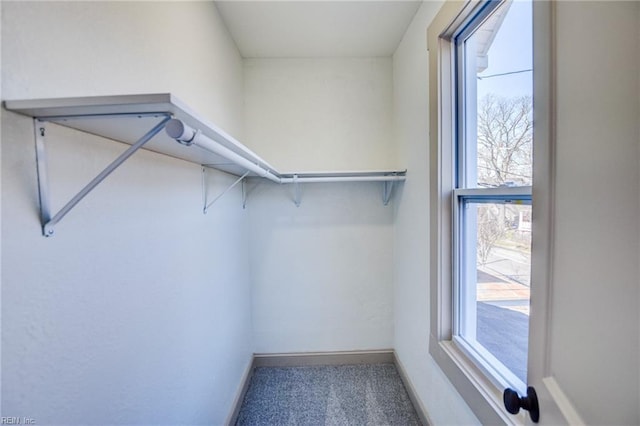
(294,29)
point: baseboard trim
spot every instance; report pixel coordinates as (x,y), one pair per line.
(242,391)
(413,396)
(303,359)
(322,358)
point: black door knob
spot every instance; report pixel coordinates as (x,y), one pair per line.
(513,403)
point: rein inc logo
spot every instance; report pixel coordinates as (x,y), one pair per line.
(17,421)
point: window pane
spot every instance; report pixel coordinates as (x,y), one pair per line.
(497,270)
(495,138)
(498,57)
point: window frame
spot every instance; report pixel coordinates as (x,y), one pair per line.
(466,190)
(476,379)
(495,370)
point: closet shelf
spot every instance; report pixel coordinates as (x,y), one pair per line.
(139,120)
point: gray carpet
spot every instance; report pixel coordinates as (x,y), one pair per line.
(371,394)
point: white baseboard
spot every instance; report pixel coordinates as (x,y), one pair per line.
(322,358)
(326,358)
(242,390)
(413,396)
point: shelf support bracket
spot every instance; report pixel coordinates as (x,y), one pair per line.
(40,129)
(296,191)
(387,191)
(49,223)
(223,193)
(244,194)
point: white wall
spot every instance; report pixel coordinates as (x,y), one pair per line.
(107,48)
(411,246)
(320,113)
(321,273)
(595,277)
(137,310)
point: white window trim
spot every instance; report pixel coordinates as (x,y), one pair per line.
(473,379)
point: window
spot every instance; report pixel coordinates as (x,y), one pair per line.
(481,162)
(492,189)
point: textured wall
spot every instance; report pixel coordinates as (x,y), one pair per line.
(137,310)
(320,113)
(62,49)
(595,276)
(321,272)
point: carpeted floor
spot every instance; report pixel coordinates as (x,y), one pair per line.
(371,394)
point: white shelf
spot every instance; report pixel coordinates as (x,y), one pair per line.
(139,120)
(126,118)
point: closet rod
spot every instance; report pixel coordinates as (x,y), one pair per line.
(327,179)
(186,135)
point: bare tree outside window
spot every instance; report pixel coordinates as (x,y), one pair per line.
(505,140)
(490,230)
(505,136)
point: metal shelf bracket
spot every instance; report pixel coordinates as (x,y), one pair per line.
(297,193)
(40,129)
(245,193)
(48,222)
(387,191)
(223,193)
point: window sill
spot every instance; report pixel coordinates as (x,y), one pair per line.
(471,381)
